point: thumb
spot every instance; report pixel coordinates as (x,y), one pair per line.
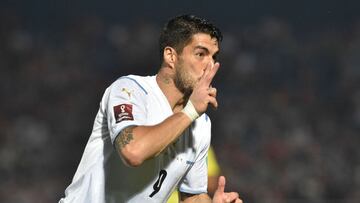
(221,184)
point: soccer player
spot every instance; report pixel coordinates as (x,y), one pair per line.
(157,125)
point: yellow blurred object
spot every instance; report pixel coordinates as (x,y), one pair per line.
(213,171)
(213,165)
(174,198)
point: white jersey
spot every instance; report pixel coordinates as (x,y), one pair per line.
(102,177)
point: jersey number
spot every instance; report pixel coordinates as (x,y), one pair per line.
(158,183)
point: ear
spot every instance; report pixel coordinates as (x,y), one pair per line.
(170,56)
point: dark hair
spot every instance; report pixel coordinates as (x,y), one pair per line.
(178,32)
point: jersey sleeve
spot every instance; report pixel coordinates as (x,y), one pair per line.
(126,105)
(195,181)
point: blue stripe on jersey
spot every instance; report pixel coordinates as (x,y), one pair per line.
(125,77)
(206,117)
(190,162)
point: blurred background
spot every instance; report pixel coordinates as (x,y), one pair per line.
(288,126)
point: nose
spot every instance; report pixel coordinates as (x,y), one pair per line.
(208,64)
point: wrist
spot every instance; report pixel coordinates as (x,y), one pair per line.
(190,111)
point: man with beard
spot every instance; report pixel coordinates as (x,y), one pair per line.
(157,126)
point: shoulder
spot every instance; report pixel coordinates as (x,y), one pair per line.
(131,83)
(131,88)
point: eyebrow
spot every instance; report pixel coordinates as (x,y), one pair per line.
(203,48)
(206,49)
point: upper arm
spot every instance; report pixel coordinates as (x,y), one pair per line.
(124,137)
(125,106)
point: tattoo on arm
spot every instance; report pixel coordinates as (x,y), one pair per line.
(125,137)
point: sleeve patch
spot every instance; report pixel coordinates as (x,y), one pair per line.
(123,112)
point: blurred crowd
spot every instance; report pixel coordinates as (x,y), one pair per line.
(286,131)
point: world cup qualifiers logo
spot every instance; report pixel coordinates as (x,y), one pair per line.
(123,112)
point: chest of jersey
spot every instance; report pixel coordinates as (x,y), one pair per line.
(182,152)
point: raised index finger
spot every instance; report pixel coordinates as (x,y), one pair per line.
(213,70)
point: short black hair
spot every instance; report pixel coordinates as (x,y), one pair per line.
(178,32)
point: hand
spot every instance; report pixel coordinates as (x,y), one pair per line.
(203,93)
(221,197)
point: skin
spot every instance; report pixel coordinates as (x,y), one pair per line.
(183,76)
(212,184)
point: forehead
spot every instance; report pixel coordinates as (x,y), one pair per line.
(203,40)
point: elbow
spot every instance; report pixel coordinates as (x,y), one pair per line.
(131,157)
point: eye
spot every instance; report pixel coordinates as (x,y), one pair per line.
(200,54)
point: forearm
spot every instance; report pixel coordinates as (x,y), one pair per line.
(140,143)
(200,198)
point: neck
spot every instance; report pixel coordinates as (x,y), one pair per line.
(166,83)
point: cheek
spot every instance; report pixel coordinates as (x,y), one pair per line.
(201,68)
(194,68)
(197,70)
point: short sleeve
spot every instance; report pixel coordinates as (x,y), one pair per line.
(195,181)
(126,105)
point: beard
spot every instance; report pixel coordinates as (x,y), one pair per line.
(183,80)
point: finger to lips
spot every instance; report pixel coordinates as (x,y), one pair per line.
(208,69)
(203,78)
(212,73)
